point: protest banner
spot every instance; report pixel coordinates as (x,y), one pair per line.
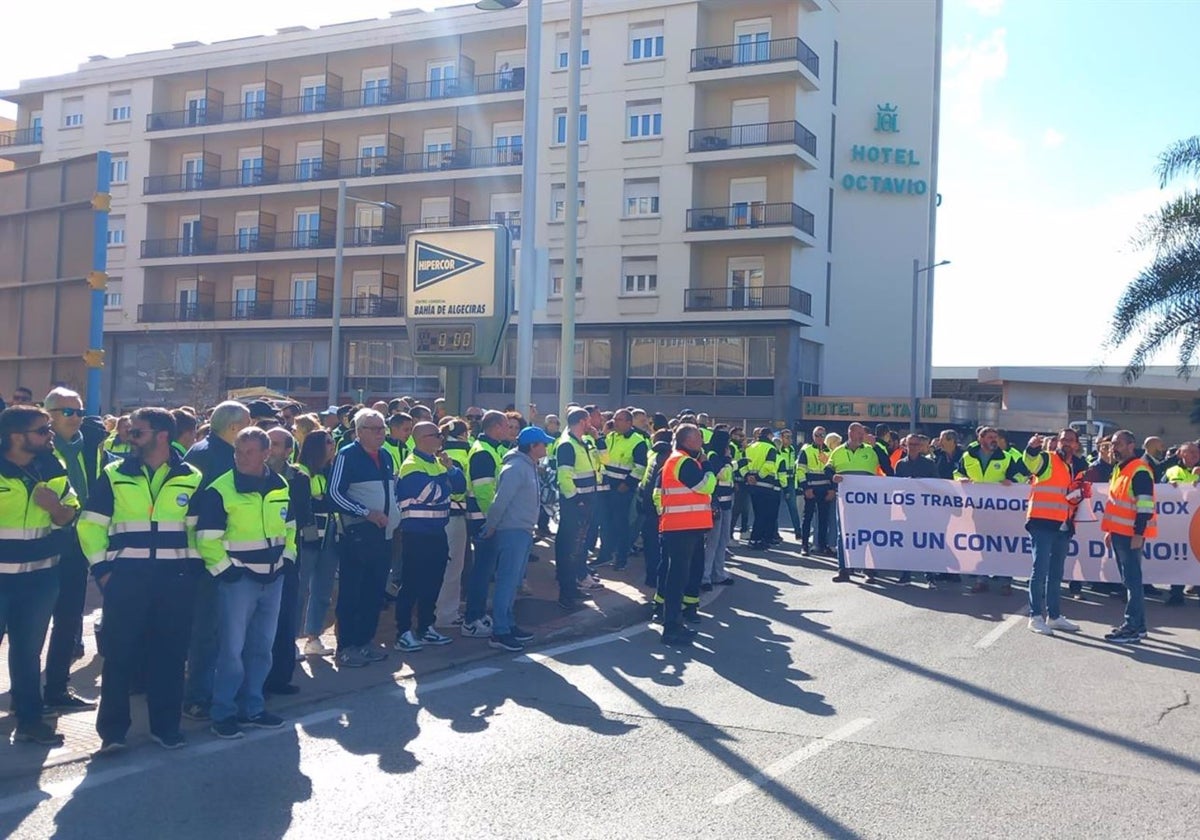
(937,525)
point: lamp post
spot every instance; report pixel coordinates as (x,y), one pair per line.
(914,394)
(335,336)
(527,277)
(566,360)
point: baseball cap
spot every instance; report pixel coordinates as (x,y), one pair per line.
(260,409)
(532,435)
(329,412)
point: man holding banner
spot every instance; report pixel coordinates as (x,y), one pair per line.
(1057,489)
(984,461)
(854,457)
(1129,520)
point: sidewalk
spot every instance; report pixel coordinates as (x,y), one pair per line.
(619,604)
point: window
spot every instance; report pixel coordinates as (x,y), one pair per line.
(112,294)
(644,119)
(560,125)
(254,102)
(118,170)
(646,41)
(120,108)
(250,167)
(443,78)
(561,47)
(375,86)
(387,367)
(810,368)
(116,231)
(73,112)
(557,270)
(312,94)
(309,157)
(640,276)
(641,197)
(753,38)
(593,367)
(304,296)
(709,366)
(558,202)
(279,365)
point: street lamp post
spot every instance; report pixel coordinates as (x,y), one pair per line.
(914,394)
(566,361)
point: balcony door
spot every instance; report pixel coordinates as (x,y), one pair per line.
(368,224)
(309,158)
(443,78)
(753,40)
(245,296)
(439,145)
(367,292)
(312,94)
(254,102)
(747,119)
(189,300)
(372,155)
(506,210)
(508,142)
(196,107)
(435,212)
(747,201)
(304,297)
(250,167)
(193,173)
(308,229)
(189,236)
(247,231)
(745,283)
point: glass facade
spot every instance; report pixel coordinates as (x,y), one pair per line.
(722,367)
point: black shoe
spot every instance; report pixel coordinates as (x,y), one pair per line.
(520,634)
(262,720)
(282,689)
(506,642)
(905,577)
(842,577)
(727,582)
(111,746)
(1175,599)
(692,616)
(77,653)
(677,637)
(620,565)
(706,587)
(69,702)
(170,741)
(227,729)
(1123,636)
(37,732)
(196,711)
(569,604)
(804,548)
(871,577)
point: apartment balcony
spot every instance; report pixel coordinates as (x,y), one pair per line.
(20,142)
(438,91)
(756,140)
(750,221)
(742,298)
(762,58)
(367,306)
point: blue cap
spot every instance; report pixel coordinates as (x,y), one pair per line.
(531,435)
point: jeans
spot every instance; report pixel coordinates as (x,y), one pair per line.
(1130,562)
(318,571)
(714,547)
(283,651)
(364,559)
(247,615)
(570,546)
(480,580)
(1045,582)
(67,631)
(615,536)
(511,548)
(147,624)
(788,503)
(425,559)
(451,595)
(26,602)
(202,650)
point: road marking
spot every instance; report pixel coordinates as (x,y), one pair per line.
(551,653)
(999,630)
(413,690)
(788,762)
(64,788)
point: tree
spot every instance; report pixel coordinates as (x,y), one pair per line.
(1162,304)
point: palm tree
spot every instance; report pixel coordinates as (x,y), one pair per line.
(1162,304)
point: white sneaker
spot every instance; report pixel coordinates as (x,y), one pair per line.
(1037,624)
(315,647)
(480,628)
(408,642)
(433,637)
(1061,623)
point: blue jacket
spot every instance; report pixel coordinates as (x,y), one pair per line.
(212,456)
(357,486)
(424,493)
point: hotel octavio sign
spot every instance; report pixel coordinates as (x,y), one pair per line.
(888,162)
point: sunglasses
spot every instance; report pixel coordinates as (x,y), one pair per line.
(40,431)
(138,434)
(475,417)
(68,412)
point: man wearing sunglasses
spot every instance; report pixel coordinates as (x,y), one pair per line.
(79,446)
(36,502)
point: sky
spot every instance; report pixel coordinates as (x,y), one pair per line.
(1053,115)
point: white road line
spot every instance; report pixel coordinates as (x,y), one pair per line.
(999,630)
(64,788)
(551,653)
(413,690)
(774,771)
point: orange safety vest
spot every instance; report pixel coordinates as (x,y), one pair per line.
(683,509)
(1121,509)
(1048,497)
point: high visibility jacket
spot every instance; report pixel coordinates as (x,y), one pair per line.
(723,495)
(134,519)
(815,458)
(762,458)
(1180,474)
(626,459)
(787,467)
(318,487)
(179,447)
(599,457)
(399,450)
(424,493)
(246,528)
(483,470)
(706,434)
(861,461)
(972,466)
(116,447)
(684,508)
(1018,456)
(460,452)
(576,472)
(1048,493)
(738,459)
(29,539)
(1122,508)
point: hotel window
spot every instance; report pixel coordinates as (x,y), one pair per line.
(560,126)
(558,202)
(118,170)
(116,231)
(557,271)
(120,108)
(641,197)
(644,119)
(561,42)
(646,41)
(709,366)
(73,112)
(640,276)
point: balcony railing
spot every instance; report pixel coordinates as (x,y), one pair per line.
(757,52)
(732,298)
(237,243)
(320,103)
(21,137)
(750,215)
(185,247)
(368,306)
(755,134)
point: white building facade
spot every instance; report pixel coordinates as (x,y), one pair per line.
(759,175)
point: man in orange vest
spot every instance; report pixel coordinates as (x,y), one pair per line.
(1057,489)
(1127,523)
(683,496)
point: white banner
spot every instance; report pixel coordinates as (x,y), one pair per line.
(936,525)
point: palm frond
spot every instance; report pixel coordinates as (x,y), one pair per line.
(1181,157)
(1174,224)
(1172,280)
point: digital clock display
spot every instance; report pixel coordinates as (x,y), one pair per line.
(453,340)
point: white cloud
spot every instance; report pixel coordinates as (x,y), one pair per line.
(969,70)
(988,8)
(1052,139)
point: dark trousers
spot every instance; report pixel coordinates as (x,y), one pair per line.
(147,624)
(202,648)
(680,549)
(651,547)
(615,537)
(741,508)
(595,526)
(766,512)
(570,546)
(695,576)
(425,558)
(364,559)
(483,569)
(283,652)
(822,510)
(67,630)
(26,602)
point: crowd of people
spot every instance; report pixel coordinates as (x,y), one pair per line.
(222,540)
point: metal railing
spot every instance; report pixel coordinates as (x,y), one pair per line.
(370,306)
(754,134)
(750,215)
(319,103)
(757,52)
(21,137)
(185,247)
(730,298)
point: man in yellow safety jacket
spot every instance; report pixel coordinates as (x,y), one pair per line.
(577,483)
(623,471)
(762,477)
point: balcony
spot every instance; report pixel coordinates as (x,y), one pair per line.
(333,101)
(368,306)
(237,243)
(20,137)
(740,298)
(759,139)
(736,61)
(751,221)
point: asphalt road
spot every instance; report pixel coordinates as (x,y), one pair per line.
(806,709)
